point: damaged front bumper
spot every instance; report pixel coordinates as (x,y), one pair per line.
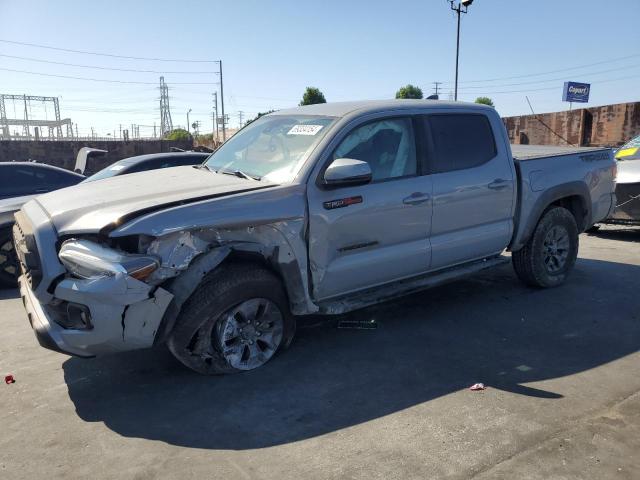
(95,317)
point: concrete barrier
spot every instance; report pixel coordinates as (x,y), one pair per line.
(604,126)
(63,153)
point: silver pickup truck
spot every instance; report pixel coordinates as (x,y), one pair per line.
(315,210)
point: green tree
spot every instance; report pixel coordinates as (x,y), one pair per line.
(260,114)
(409,91)
(204,138)
(312,95)
(178,134)
(485,101)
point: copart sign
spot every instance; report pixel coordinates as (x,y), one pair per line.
(576,92)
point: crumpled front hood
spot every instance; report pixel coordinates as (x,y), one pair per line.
(89,207)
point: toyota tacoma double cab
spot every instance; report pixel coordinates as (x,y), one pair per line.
(321,209)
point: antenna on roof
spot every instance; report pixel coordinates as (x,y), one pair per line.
(547,126)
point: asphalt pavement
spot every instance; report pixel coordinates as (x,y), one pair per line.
(562,400)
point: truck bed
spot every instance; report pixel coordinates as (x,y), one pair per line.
(531,152)
(546,172)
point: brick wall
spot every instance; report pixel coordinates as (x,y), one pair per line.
(608,125)
(63,153)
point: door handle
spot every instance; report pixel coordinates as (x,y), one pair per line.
(416,198)
(499,184)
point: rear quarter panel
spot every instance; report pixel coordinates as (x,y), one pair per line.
(589,175)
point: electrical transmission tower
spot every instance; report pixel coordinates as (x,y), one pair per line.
(27,122)
(166,125)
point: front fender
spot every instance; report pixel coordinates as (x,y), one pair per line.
(280,246)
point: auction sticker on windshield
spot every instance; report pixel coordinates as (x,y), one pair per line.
(304,130)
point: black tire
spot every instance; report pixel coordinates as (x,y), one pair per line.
(9,268)
(195,339)
(536,264)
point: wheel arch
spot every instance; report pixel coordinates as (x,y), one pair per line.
(573,196)
(267,257)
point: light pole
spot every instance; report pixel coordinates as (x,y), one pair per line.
(188,124)
(460,8)
(224,119)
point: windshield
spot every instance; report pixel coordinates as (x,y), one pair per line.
(630,150)
(110,171)
(634,143)
(273,148)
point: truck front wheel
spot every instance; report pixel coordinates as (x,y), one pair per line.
(550,254)
(236,320)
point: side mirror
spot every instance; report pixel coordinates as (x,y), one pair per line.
(347,171)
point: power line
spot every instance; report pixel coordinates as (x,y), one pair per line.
(84,52)
(550,71)
(30,59)
(550,79)
(484,92)
(102,79)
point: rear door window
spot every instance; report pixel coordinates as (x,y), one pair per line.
(54,179)
(460,141)
(144,166)
(21,179)
(189,160)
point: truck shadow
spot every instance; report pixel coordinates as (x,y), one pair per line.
(486,329)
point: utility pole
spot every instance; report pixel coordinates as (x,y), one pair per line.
(154,130)
(436,87)
(27,133)
(224,119)
(240,112)
(460,8)
(120,132)
(215,118)
(188,124)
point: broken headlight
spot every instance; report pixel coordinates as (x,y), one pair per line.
(90,260)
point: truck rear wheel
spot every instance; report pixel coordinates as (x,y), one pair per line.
(236,320)
(550,254)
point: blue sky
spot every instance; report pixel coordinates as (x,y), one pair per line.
(272,50)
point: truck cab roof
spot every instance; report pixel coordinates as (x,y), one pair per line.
(342,109)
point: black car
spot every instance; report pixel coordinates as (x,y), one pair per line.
(19,183)
(152,161)
(19,179)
